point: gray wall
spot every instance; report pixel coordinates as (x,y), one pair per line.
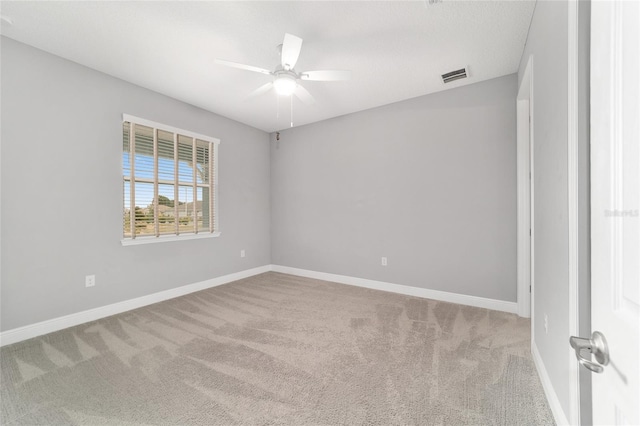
(547,41)
(429,183)
(62,191)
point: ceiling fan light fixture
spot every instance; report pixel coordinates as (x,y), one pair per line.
(285,78)
(285,84)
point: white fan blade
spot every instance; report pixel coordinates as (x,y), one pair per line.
(290,51)
(260,91)
(302,94)
(326,75)
(242,66)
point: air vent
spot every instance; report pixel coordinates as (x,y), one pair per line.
(454,75)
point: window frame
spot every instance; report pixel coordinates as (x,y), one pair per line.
(214,216)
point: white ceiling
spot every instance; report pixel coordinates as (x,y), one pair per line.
(395,50)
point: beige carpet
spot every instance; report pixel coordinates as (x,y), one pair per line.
(279,349)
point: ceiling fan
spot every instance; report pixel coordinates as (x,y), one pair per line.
(285,77)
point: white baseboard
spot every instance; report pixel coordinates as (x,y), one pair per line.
(27,332)
(33,330)
(552,397)
(462,299)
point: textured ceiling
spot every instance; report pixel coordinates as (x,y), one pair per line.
(395,50)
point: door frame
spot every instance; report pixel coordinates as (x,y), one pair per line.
(524,115)
(573,206)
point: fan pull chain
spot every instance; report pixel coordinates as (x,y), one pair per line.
(277,106)
(291,97)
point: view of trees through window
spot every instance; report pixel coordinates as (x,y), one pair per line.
(167,183)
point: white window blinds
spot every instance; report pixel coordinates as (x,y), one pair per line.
(169,181)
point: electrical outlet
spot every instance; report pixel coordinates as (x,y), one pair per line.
(242,253)
(383,262)
(89,280)
(546,324)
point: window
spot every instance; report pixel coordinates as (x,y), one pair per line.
(169,182)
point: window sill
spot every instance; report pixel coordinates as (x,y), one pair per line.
(167,238)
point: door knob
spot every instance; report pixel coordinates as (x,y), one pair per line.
(597,346)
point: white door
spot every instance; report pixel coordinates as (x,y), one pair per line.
(615,207)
